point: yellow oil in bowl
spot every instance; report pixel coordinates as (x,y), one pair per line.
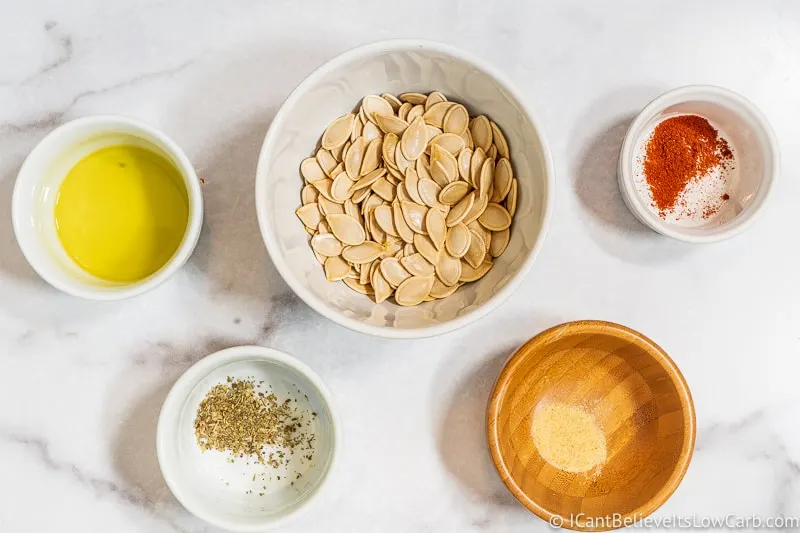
(121,213)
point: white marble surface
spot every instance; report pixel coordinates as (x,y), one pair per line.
(81,382)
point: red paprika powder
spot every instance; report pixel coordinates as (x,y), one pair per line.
(681,149)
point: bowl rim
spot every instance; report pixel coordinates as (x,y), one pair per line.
(180,391)
(658,354)
(739,105)
(26,179)
(267,147)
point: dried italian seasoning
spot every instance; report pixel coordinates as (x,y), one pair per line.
(237,417)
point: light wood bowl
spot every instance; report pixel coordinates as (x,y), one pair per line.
(638,400)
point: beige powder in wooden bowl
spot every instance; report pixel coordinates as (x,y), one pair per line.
(568,437)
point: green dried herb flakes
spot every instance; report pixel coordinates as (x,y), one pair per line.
(235,417)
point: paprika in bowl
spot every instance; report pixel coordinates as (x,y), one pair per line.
(698,164)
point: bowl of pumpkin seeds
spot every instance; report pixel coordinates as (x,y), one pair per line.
(404,188)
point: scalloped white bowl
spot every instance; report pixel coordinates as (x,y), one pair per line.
(335,89)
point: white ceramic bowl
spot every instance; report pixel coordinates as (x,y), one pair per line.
(335,89)
(757,160)
(37,185)
(215,489)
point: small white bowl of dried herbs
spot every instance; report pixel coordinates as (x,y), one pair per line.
(247,438)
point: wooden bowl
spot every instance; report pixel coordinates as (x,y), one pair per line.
(591,425)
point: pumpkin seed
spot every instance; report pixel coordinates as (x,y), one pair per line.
(393,271)
(384,218)
(338,132)
(309,214)
(414,140)
(417,265)
(444,166)
(481,130)
(436,225)
(440,290)
(393,101)
(511,199)
(468,273)
(371,203)
(415,112)
(312,171)
(326,244)
(434,115)
(358,127)
(434,98)
(503,175)
(372,157)
(336,268)
(390,123)
(458,240)
(347,229)
(381,286)
(384,189)
(499,242)
(369,178)
(412,185)
(309,194)
(429,193)
(426,248)
(456,120)
(359,287)
(373,104)
(460,210)
(326,161)
(413,291)
(366,252)
(423,169)
(353,158)
(486,177)
(495,218)
(338,152)
(371,132)
(342,188)
(499,141)
(394,176)
(477,209)
(378,235)
(402,113)
(389,146)
(464,158)
(475,165)
(450,142)
(401,192)
(400,223)
(414,215)
(448,269)
(476,252)
(338,169)
(326,207)
(454,192)
(363,274)
(400,159)
(413,98)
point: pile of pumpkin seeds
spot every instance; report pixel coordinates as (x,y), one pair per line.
(409,197)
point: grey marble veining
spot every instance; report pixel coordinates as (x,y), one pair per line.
(81,382)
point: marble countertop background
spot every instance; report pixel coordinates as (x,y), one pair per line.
(81,382)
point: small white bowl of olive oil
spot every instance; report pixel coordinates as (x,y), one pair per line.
(107,207)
